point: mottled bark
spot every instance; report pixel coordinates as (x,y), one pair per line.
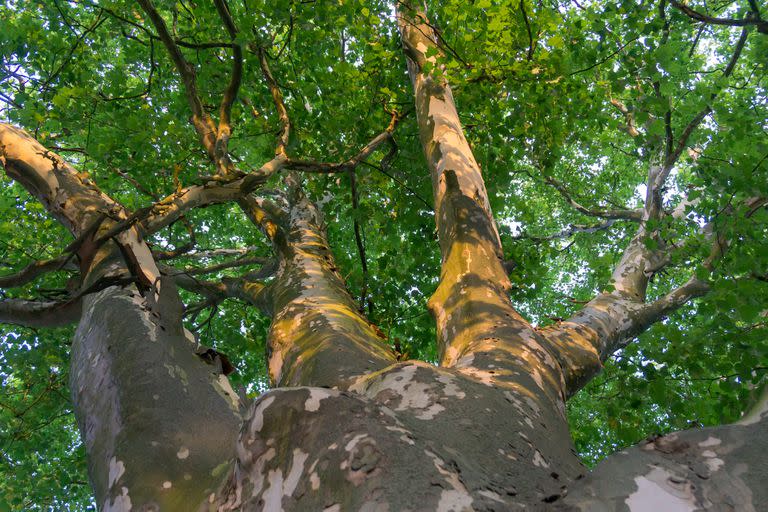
(410,437)
(717,468)
(156,420)
(479,331)
(607,323)
(317,337)
(613,318)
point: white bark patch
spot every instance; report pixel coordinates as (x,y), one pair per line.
(121,503)
(177,372)
(483,376)
(456,499)
(257,421)
(183,453)
(413,394)
(710,441)
(256,471)
(538,460)
(537,378)
(372,506)
(116,470)
(333,508)
(353,442)
(490,494)
(273,495)
(143,255)
(167,484)
(407,436)
(294,474)
(714,464)
(276,365)
(143,310)
(312,403)
(225,390)
(450,389)
(655,491)
(314,481)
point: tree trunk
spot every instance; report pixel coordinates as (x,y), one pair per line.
(347,426)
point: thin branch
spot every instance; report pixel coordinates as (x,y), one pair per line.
(348,165)
(181,249)
(277,97)
(230,94)
(605,59)
(698,118)
(365,300)
(634,215)
(568,232)
(202,122)
(38,268)
(147,88)
(352,163)
(531,42)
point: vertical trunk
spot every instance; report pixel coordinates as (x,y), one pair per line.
(479,331)
(317,337)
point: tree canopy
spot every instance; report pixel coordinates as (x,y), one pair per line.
(566,106)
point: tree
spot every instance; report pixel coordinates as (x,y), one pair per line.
(624,149)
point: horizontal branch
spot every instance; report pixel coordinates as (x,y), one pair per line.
(171,208)
(634,215)
(239,262)
(34,313)
(214,253)
(348,165)
(568,232)
(246,288)
(752,19)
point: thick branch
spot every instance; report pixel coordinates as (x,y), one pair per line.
(230,94)
(75,202)
(277,97)
(607,323)
(752,19)
(318,336)
(171,208)
(32,313)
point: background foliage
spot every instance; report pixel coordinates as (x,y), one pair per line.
(533,82)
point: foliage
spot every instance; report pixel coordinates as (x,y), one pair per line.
(533,83)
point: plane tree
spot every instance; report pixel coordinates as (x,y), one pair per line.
(575,192)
